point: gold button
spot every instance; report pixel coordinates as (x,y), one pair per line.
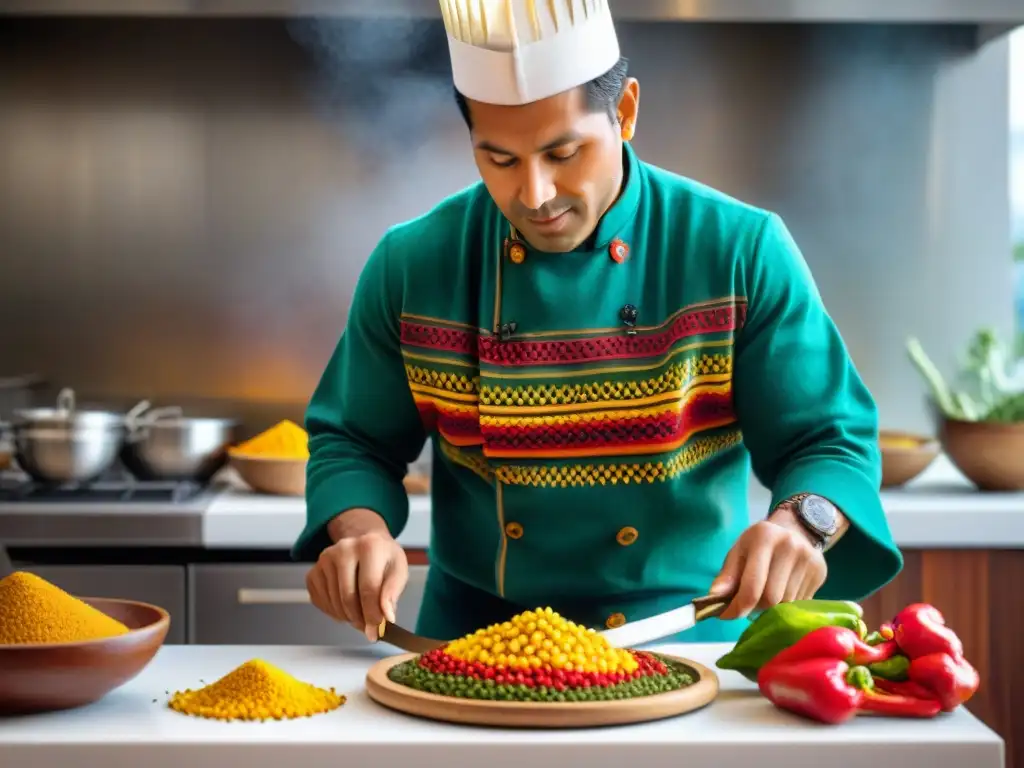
(517,253)
(615,620)
(627,535)
(514,530)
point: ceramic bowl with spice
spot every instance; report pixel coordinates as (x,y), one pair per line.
(905,456)
(58,651)
(274,461)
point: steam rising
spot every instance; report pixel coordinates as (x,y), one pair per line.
(383,80)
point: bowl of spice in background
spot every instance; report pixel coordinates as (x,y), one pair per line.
(58,651)
(274,461)
(905,456)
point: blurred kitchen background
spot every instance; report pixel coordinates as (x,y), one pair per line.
(188,191)
(186,203)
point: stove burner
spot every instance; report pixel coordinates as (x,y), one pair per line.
(100,491)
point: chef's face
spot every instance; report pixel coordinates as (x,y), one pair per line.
(554,166)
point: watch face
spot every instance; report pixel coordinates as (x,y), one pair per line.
(820,513)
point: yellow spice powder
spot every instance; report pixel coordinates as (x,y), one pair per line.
(284,440)
(34,611)
(256,691)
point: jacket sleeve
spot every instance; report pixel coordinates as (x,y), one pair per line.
(364,428)
(808,420)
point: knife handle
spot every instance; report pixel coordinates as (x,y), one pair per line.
(710,606)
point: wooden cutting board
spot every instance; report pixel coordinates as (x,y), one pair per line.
(529,714)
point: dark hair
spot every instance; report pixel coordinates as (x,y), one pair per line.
(602,93)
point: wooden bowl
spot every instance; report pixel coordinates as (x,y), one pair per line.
(905,455)
(278,477)
(45,678)
(989,454)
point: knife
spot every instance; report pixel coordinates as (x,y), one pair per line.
(626,636)
(668,623)
(406,640)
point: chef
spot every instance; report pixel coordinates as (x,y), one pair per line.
(600,350)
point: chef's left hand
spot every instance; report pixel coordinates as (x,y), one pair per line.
(771,562)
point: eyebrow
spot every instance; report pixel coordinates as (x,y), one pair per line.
(565,138)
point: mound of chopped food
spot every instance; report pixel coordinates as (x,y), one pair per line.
(540,656)
(256,690)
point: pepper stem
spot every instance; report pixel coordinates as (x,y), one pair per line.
(860,677)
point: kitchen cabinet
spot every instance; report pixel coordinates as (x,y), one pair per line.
(162,585)
(975,591)
(267,604)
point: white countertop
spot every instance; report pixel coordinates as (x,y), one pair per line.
(737,730)
(939,509)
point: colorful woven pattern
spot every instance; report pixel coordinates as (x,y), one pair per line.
(578,396)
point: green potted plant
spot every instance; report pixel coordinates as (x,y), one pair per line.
(981,421)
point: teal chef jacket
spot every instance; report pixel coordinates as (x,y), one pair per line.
(595,414)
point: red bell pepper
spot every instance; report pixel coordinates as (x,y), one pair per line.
(831,691)
(951,679)
(920,629)
(937,662)
(814,678)
(836,643)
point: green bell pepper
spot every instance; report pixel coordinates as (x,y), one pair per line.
(783,625)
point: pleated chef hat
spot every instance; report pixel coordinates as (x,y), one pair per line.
(513,52)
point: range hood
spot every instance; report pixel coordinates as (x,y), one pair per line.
(1001,13)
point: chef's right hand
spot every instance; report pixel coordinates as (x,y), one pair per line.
(359,579)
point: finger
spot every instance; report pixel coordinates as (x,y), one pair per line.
(316,585)
(329,576)
(349,591)
(784,557)
(729,576)
(373,560)
(813,580)
(395,578)
(794,589)
(751,582)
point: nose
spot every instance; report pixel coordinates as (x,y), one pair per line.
(538,186)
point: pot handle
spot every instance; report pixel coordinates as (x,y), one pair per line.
(66,400)
(134,415)
(170,411)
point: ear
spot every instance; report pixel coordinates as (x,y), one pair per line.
(629,108)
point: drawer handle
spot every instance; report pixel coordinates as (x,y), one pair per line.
(272,596)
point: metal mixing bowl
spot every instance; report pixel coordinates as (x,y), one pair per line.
(178,448)
(65,416)
(66,455)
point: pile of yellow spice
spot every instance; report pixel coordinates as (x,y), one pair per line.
(35,612)
(256,691)
(284,440)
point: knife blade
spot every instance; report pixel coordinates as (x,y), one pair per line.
(406,640)
(668,623)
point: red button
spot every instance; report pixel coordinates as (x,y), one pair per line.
(619,251)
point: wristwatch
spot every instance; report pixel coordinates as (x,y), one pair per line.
(817,515)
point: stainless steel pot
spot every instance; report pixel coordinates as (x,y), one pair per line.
(65,416)
(64,444)
(67,455)
(165,445)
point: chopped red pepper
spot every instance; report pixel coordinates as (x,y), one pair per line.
(920,629)
(951,679)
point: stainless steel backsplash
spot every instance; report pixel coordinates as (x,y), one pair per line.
(185,205)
